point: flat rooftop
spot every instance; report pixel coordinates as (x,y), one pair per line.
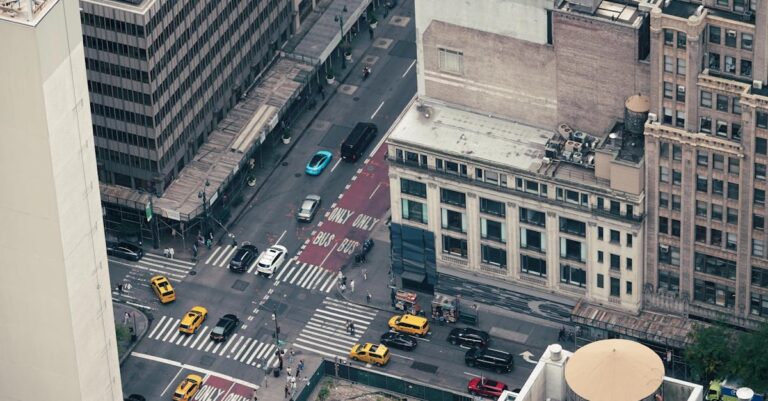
(624,12)
(466,134)
(133,6)
(25,11)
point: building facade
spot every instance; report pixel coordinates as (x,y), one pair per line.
(57,319)
(162,74)
(706,151)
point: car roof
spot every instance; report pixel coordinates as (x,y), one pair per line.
(229,316)
(271,253)
(412,319)
(312,197)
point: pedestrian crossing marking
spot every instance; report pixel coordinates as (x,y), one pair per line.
(326,332)
(157,326)
(199,336)
(214,253)
(247,340)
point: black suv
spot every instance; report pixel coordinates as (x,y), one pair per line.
(125,250)
(224,328)
(469,337)
(490,359)
(243,258)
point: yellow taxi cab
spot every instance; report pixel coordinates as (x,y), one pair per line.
(376,354)
(188,388)
(410,324)
(163,289)
(193,320)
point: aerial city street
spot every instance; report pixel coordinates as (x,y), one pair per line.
(518,200)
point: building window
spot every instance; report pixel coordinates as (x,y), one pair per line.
(736,105)
(414,211)
(736,131)
(669,37)
(600,281)
(714,34)
(573,275)
(663,225)
(718,162)
(453,220)
(615,287)
(701,183)
(702,158)
(573,197)
(700,234)
(760,171)
(705,124)
(758,249)
(615,262)
(677,152)
(413,188)
(451,61)
(758,222)
(681,40)
(732,216)
(629,240)
(746,41)
(494,256)
(452,197)
(663,150)
(733,191)
(677,177)
(573,250)
(663,200)
(455,246)
(615,237)
(615,208)
(669,64)
(759,196)
(739,6)
(745,68)
(669,255)
(630,211)
(663,174)
(531,239)
(573,227)
(667,118)
(706,99)
(714,61)
(676,200)
(761,146)
(533,266)
(681,66)
(717,186)
(730,65)
(493,230)
(722,103)
(734,165)
(491,177)
(701,208)
(758,304)
(601,201)
(761,119)
(713,293)
(534,217)
(680,118)
(722,129)
(669,281)
(717,212)
(730,241)
(532,187)
(669,90)
(715,237)
(628,285)
(600,256)
(492,207)
(715,266)
(675,228)
(600,233)
(680,93)
(759,277)
(730,38)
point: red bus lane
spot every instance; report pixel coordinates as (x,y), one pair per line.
(350,220)
(219,389)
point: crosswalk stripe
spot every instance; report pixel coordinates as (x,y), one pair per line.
(301,272)
(160,333)
(328,354)
(329,312)
(175,335)
(223,252)
(320,277)
(214,253)
(255,352)
(330,284)
(253,265)
(182,337)
(314,342)
(284,269)
(165,338)
(247,351)
(171,276)
(296,268)
(199,336)
(216,347)
(211,343)
(325,337)
(227,344)
(247,341)
(190,337)
(237,344)
(229,255)
(265,351)
(167,268)
(164,259)
(271,360)
(336,327)
(160,323)
(357,308)
(313,270)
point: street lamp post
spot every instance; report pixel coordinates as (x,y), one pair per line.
(340,19)
(201,195)
(277,339)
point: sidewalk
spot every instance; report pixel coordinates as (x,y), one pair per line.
(132,325)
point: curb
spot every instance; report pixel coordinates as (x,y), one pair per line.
(134,344)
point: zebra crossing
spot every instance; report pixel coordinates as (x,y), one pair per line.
(238,347)
(326,332)
(174,269)
(292,271)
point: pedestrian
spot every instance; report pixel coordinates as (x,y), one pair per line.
(351,329)
(352,286)
(370,32)
(349,323)
(300,368)
(368,297)
(209,243)
(255,395)
(171,252)
(288,371)
(293,383)
(287,391)
(343,287)
(210,235)
(291,354)
(194,250)
(126,317)
(344,280)
(120,288)
(365,274)
(166,252)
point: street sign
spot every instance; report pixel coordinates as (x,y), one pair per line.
(148,211)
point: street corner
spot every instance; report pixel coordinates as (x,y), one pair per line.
(217,388)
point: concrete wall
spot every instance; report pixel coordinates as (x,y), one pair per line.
(54,286)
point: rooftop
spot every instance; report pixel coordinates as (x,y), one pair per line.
(684,9)
(28,12)
(325,34)
(134,6)
(624,12)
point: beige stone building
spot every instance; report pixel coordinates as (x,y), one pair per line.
(706,152)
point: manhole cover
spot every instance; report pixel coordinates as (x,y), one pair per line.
(355,98)
(240,285)
(284,164)
(425,367)
(192,272)
(207,361)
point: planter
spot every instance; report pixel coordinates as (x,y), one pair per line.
(348,56)
(330,79)
(374,24)
(286,139)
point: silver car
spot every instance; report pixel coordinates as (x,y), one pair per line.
(308,208)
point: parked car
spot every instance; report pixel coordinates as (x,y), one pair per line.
(370,353)
(193,320)
(469,337)
(163,289)
(271,259)
(486,387)
(308,208)
(399,340)
(319,162)
(125,250)
(243,258)
(490,359)
(188,388)
(224,328)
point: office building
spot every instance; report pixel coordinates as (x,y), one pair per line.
(57,319)
(706,153)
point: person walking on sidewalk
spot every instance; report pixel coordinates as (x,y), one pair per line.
(287,391)
(368,297)
(365,274)
(352,286)
(300,368)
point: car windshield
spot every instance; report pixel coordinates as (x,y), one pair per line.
(306,206)
(218,330)
(316,159)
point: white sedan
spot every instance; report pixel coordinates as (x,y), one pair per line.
(271,259)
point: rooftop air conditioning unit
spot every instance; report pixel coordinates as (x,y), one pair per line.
(567,155)
(577,157)
(579,136)
(757,84)
(664,248)
(652,117)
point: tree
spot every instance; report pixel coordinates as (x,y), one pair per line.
(750,359)
(709,356)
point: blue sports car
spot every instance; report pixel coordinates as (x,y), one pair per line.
(319,162)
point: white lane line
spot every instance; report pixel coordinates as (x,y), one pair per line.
(172,380)
(336,165)
(253,265)
(378,145)
(377,110)
(281,237)
(409,69)
(374,190)
(329,253)
(216,251)
(200,335)
(157,326)
(223,251)
(471,374)
(194,368)
(401,356)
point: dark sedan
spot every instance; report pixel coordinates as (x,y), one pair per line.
(243,258)
(399,340)
(125,250)
(224,328)
(469,337)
